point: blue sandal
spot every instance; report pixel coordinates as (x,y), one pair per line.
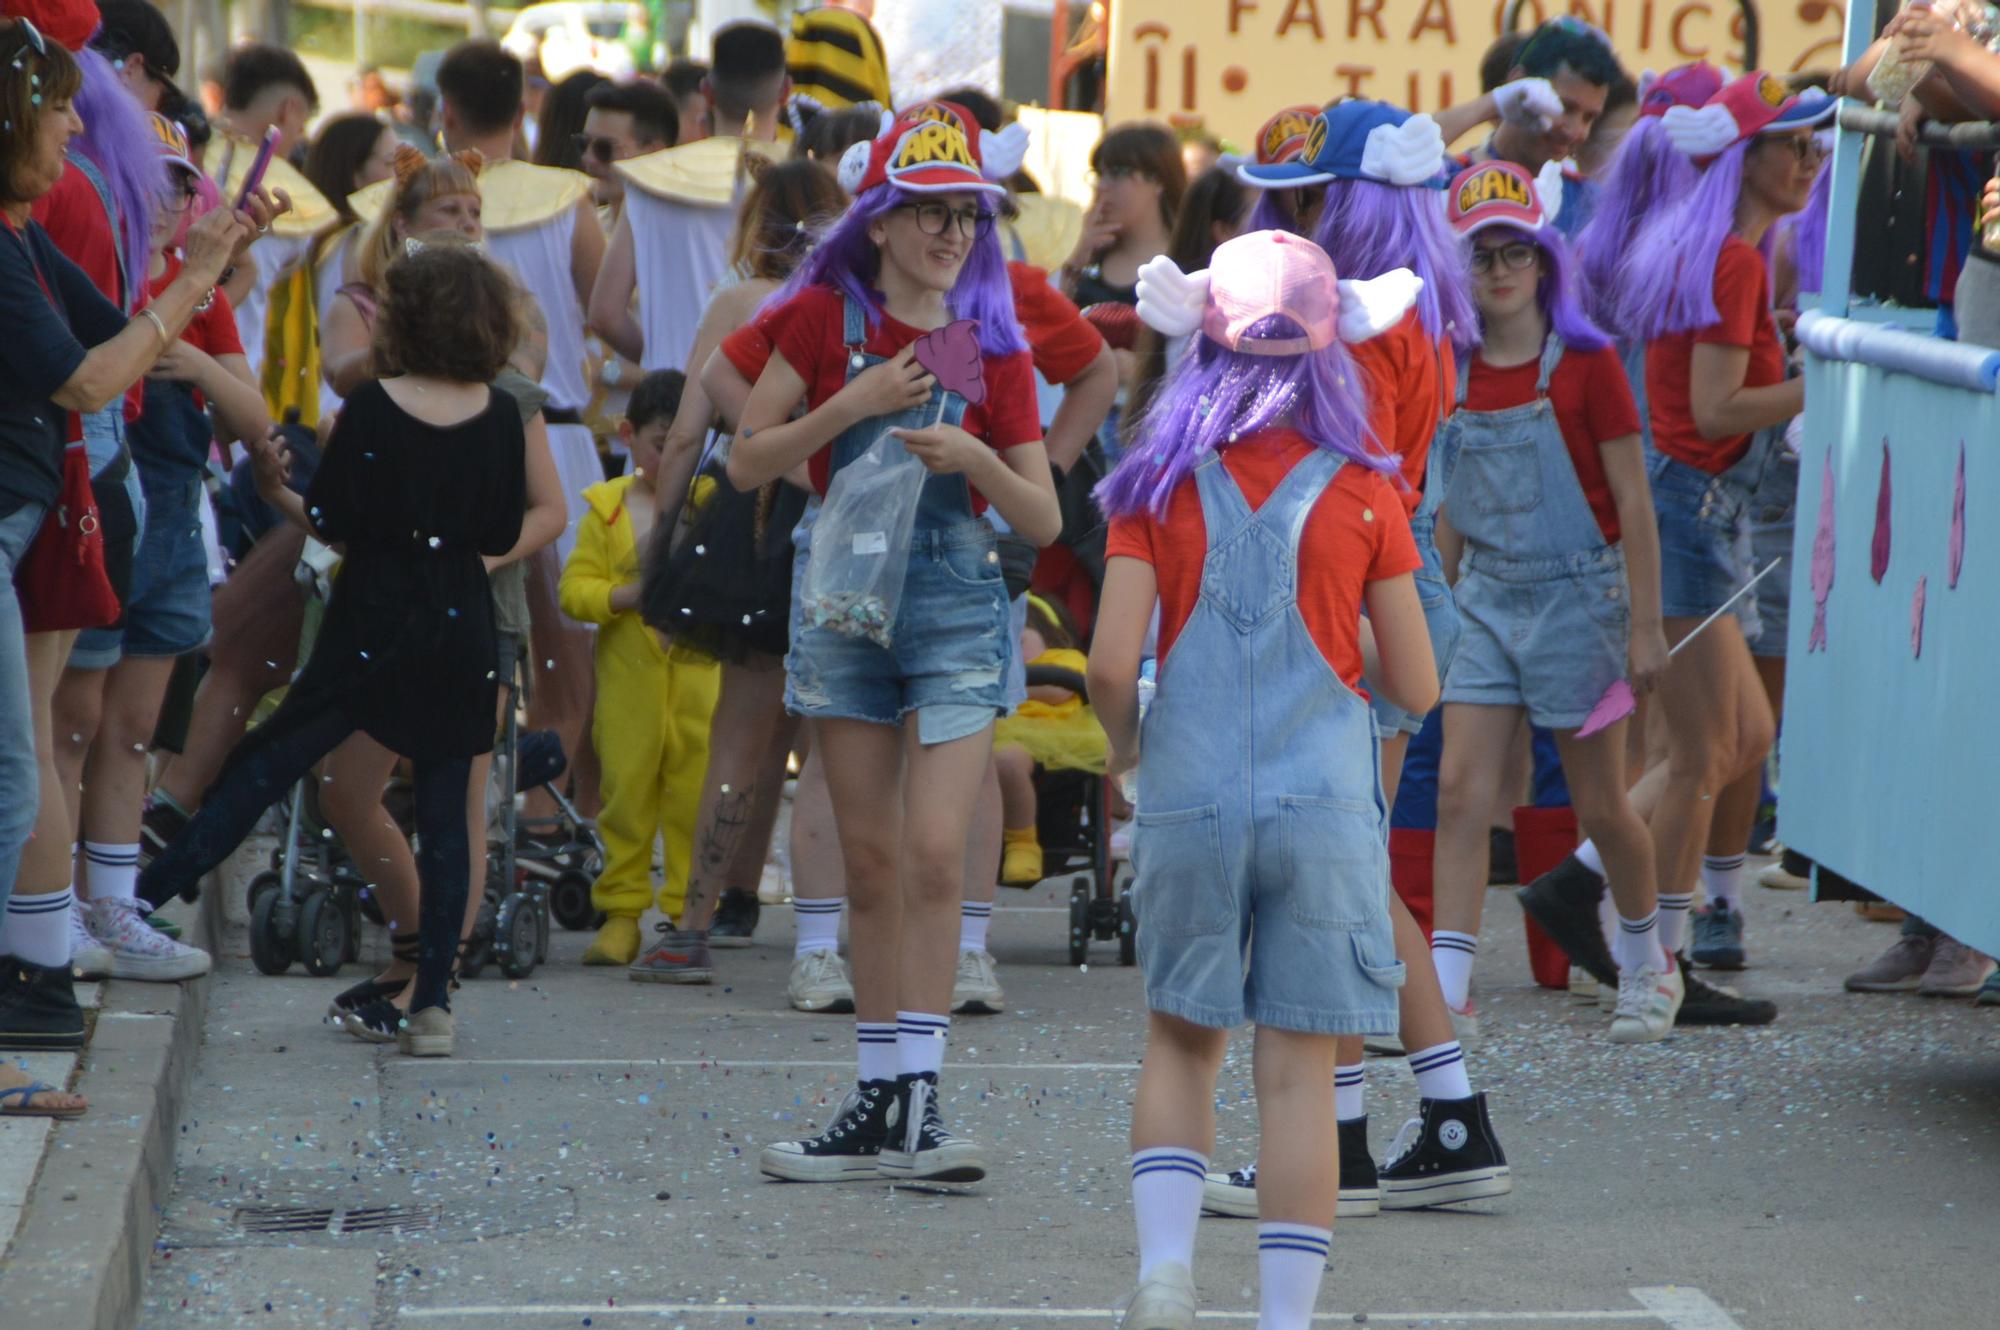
(26,1110)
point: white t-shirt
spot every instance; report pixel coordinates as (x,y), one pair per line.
(540,257)
(326,284)
(276,255)
(680,251)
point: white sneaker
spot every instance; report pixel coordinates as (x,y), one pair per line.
(975,991)
(775,886)
(1582,985)
(88,958)
(1165,1300)
(819,983)
(1648,1001)
(138,950)
(1775,877)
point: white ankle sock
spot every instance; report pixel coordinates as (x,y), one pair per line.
(818,924)
(1453,954)
(1587,855)
(1350,1093)
(1291,1260)
(973,918)
(877,1043)
(1674,909)
(1637,945)
(1722,878)
(113,870)
(1440,1071)
(1166,1203)
(920,1039)
(36,928)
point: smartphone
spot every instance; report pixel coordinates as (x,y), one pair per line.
(258,168)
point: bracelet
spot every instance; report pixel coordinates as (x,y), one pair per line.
(166,338)
(206,301)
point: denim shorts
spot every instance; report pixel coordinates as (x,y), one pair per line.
(1549,635)
(167,609)
(1290,928)
(1704,541)
(1771,512)
(1441,617)
(950,658)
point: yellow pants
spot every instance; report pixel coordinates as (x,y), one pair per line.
(651,731)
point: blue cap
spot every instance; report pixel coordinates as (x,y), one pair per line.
(1359,140)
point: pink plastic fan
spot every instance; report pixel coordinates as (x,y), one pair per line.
(1822,558)
(1917,619)
(1878,553)
(1956,550)
(952,354)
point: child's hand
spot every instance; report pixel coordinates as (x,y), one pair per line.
(271,461)
(945,450)
(897,384)
(1925,34)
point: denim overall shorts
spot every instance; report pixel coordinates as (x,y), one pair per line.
(1262,845)
(1440,610)
(1772,507)
(948,661)
(1543,598)
(1705,537)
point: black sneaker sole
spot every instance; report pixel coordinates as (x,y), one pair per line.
(1473,1184)
(1733,1011)
(1723,961)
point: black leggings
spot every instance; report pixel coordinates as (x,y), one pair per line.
(264,771)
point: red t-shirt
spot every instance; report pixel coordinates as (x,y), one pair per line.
(1357,533)
(212,330)
(1410,379)
(75,219)
(1593,404)
(1743,298)
(1061,340)
(807,330)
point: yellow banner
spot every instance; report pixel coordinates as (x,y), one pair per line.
(1227,65)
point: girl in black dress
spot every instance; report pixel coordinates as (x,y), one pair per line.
(422,481)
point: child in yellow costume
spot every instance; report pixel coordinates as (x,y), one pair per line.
(1052,728)
(654,701)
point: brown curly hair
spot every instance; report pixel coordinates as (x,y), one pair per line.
(32,84)
(447,313)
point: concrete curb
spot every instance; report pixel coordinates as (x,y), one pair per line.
(79,1259)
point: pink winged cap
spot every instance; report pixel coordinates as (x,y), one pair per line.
(1265,273)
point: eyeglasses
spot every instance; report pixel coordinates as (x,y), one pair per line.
(1803,147)
(933,219)
(603,149)
(181,199)
(1511,258)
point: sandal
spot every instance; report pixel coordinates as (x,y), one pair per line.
(25,1109)
(372,990)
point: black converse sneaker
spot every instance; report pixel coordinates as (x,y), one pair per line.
(848,1148)
(919,1148)
(735,919)
(1564,902)
(1712,1004)
(1234,1194)
(1448,1153)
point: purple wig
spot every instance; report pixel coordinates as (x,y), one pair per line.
(1216,396)
(1368,229)
(118,138)
(1271,215)
(849,262)
(1645,176)
(1557,295)
(1667,283)
(1809,233)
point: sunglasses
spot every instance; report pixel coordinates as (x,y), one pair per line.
(1510,258)
(933,219)
(1803,147)
(603,149)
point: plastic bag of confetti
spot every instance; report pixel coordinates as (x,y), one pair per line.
(861,543)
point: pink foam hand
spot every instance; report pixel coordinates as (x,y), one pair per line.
(952,354)
(1822,557)
(1878,554)
(1616,704)
(1917,620)
(1956,549)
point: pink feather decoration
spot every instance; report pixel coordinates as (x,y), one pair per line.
(1917,619)
(1822,557)
(952,354)
(1878,554)
(1957,547)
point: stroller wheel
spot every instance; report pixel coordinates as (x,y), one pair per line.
(1128,929)
(541,899)
(260,886)
(323,933)
(1079,922)
(271,948)
(517,939)
(569,901)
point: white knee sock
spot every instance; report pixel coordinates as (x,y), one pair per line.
(973,918)
(1291,1260)
(818,924)
(1166,1202)
(36,929)
(1587,855)
(113,870)
(1674,907)
(1440,1071)
(1453,954)
(920,1040)
(1637,945)
(877,1043)
(1350,1093)
(1722,878)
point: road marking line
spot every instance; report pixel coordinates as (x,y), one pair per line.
(1684,1308)
(823,1311)
(740,1064)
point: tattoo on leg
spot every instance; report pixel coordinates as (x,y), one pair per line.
(724,830)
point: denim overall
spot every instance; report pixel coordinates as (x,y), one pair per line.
(1262,829)
(1543,597)
(104,431)
(1705,543)
(949,659)
(1440,611)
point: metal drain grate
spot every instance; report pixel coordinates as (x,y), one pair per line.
(336,1222)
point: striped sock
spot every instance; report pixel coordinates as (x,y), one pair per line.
(1674,909)
(1350,1093)
(1722,878)
(877,1041)
(920,1039)
(36,929)
(1291,1260)
(818,924)
(1440,1071)
(1453,953)
(1637,945)
(1166,1202)
(973,918)
(113,870)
